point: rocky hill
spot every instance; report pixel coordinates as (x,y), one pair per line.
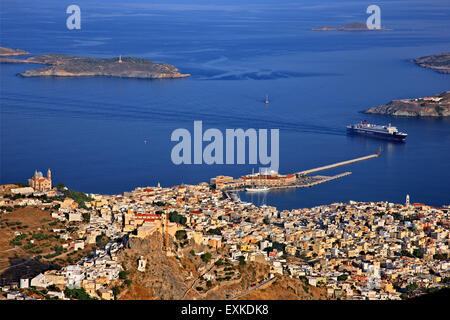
(178,276)
(435,106)
(287,288)
(163,277)
(439,62)
(185,275)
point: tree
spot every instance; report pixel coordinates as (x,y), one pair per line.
(181,234)
(440,256)
(53,288)
(60,186)
(79,294)
(177,218)
(418,253)
(412,287)
(86,216)
(116,291)
(58,250)
(342,277)
(206,257)
(78,197)
(217,231)
(241,260)
(279,246)
(102,240)
(406,253)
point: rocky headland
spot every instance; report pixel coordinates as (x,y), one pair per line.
(5,52)
(434,106)
(439,62)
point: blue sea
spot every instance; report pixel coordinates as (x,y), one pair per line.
(91,131)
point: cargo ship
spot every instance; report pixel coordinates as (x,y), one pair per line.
(372,130)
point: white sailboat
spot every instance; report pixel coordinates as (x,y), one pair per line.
(267,99)
(258,188)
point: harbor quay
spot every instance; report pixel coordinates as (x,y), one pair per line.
(274,180)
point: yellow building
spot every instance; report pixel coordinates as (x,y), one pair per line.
(198,238)
(39,182)
(106,294)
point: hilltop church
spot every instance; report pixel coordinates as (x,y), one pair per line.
(39,182)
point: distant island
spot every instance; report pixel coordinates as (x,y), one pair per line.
(439,62)
(12,52)
(353,26)
(70,66)
(435,106)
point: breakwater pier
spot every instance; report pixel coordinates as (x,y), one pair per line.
(338,164)
(301,179)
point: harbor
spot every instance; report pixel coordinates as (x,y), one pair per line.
(263,182)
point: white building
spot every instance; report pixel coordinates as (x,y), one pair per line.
(40,281)
(24,283)
(74,276)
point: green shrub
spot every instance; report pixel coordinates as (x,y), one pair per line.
(79,294)
(206,257)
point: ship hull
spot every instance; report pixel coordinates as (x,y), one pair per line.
(379,135)
(257,189)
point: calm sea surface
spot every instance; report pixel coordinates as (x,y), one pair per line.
(91,131)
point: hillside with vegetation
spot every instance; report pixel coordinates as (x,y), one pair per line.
(29,244)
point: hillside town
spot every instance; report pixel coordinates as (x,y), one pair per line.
(355,250)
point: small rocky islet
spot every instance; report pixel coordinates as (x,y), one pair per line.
(62,65)
(353,26)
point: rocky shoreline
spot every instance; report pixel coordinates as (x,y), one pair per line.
(434,106)
(438,62)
